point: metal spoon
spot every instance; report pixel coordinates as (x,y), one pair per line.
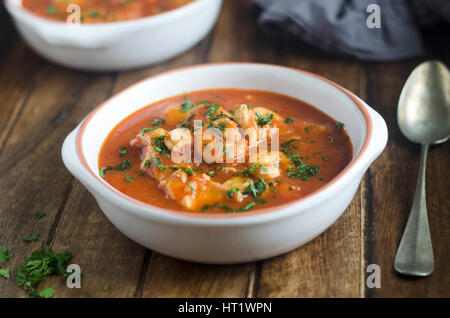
(423,115)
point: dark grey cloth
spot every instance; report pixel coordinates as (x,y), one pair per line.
(339,26)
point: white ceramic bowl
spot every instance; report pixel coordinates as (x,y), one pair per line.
(227,238)
(117,45)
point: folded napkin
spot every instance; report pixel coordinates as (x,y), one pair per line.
(339,26)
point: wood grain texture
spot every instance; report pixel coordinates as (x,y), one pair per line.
(40,103)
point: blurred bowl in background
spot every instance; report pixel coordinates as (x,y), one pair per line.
(115,46)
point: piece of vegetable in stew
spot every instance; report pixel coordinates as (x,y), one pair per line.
(177,153)
(100,11)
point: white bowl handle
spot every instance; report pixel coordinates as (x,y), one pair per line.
(379,135)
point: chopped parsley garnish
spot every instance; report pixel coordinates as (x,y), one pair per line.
(279,180)
(339,125)
(124,165)
(302,170)
(159,145)
(288,144)
(31,238)
(40,215)
(306,129)
(157,163)
(39,265)
(288,120)
(262,121)
(324,158)
(158,121)
(321,179)
(187,106)
(189,171)
(219,205)
(103,171)
(247,207)
(123,150)
(211,173)
(4,255)
(129,179)
(232,191)
(330,139)
(256,188)
(146,129)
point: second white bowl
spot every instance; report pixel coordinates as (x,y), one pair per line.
(117,45)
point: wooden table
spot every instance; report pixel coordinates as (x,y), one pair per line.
(40,103)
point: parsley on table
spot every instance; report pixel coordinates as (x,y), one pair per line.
(5,273)
(40,215)
(31,238)
(106,287)
(262,121)
(38,266)
(4,255)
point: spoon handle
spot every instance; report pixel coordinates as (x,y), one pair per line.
(415,253)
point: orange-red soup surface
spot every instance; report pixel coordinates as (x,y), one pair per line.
(100,11)
(313,149)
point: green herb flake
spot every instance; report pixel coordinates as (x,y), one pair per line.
(38,266)
(129,179)
(157,163)
(330,139)
(211,173)
(262,121)
(123,150)
(325,158)
(288,120)
(5,273)
(339,125)
(232,191)
(106,288)
(40,215)
(46,293)
(103,171)
(31,238)
(147,129)
(158,121)
(187,106)
(4,255)
(247,207)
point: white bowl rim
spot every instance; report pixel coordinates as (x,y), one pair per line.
(154,19)
(209,216)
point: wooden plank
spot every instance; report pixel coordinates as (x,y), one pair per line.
(393,178)
(32,175)
(330,265)
(18,67)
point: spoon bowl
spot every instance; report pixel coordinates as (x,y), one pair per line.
(423,112)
